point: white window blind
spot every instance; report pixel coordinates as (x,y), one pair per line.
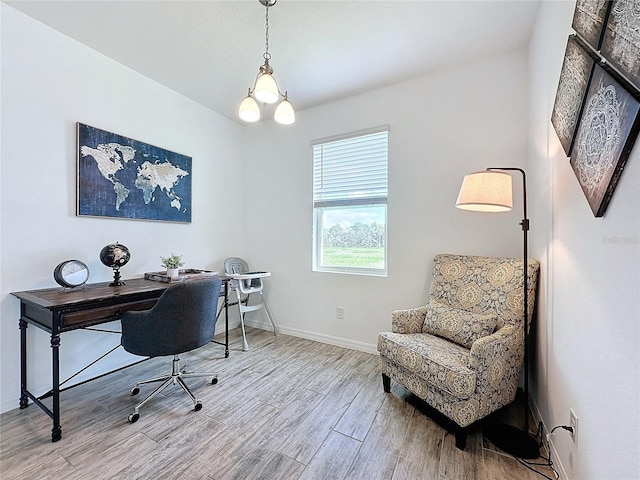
(351,170)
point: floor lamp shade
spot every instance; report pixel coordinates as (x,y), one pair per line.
(486,191)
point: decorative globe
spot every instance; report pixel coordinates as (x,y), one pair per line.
(115,255)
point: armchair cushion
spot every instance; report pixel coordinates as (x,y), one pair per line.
(442,364)
(459,326)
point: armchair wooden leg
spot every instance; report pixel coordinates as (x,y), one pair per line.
(461,438)
(386,383)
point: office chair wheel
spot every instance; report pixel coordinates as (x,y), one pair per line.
(214,381)
(133,417)
(135,391)
(197,407)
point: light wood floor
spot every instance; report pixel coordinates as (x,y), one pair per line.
(288,409)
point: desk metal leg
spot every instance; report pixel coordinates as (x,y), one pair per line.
(225,305)
(56,431)
(24,399)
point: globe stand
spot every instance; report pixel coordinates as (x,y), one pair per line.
(116,278)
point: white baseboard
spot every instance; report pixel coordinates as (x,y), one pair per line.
(318,337)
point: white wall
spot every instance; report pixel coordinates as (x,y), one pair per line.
(49,82)
(588,324)
(441,127)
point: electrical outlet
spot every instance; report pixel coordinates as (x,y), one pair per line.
(340,313)
(573,423)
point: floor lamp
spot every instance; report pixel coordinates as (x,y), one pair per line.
(491,191)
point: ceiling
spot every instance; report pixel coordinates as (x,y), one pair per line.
(321,51)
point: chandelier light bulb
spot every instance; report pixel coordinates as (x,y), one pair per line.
(249,110)
(266,90)
(284,113)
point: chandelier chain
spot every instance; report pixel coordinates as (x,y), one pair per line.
(266,55)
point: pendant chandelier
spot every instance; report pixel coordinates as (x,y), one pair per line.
(265,89)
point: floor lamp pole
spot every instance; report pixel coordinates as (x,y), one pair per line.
(508,438)
(525,282)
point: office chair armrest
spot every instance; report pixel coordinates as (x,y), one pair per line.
(408,321)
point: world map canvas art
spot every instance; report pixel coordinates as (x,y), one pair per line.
(124,178)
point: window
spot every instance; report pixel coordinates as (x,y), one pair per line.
(350,203)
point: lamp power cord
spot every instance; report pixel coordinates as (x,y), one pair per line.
(547,462)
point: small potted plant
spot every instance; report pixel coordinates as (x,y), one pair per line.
(172,263)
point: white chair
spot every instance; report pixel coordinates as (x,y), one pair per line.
(244,283)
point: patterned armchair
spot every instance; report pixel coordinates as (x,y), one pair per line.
(463,352)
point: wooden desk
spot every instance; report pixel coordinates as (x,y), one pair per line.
(56,311)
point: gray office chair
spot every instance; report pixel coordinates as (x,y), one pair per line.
(244,283)
(183,319)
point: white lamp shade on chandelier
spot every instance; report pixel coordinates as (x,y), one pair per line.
(265,88)
(249,110)
(486,191)
(284,113)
